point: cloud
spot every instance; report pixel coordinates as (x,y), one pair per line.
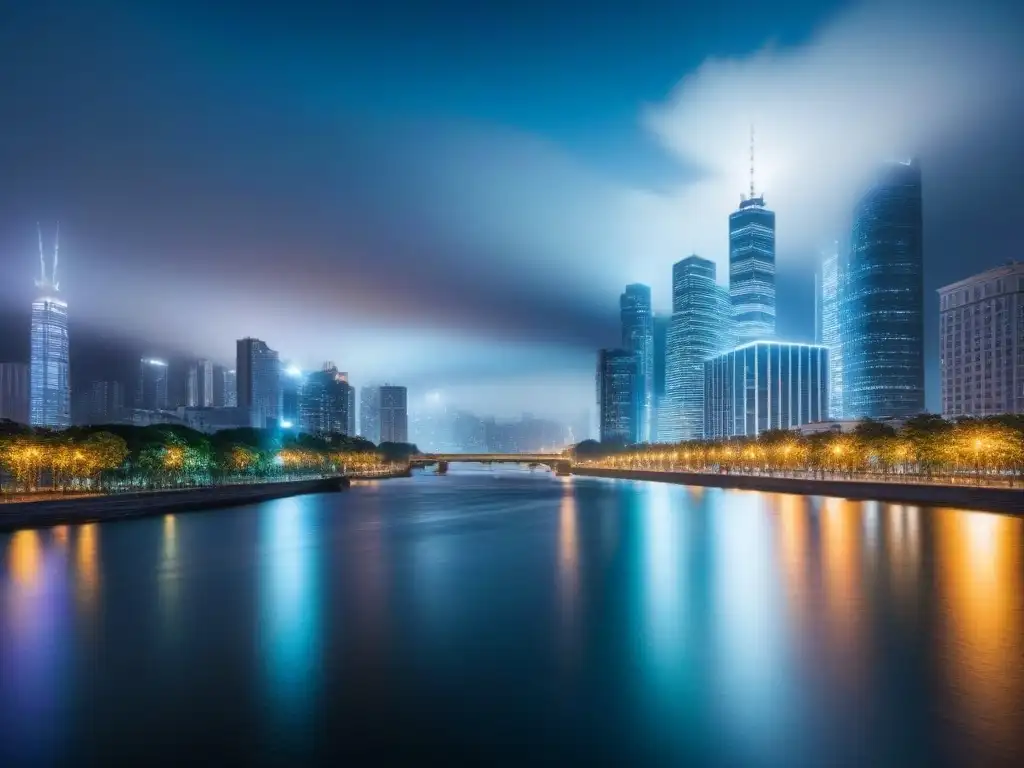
(884,81)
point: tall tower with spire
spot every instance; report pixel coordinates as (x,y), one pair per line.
(752,265)
(50,383)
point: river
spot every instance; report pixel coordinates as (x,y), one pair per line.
(503,615)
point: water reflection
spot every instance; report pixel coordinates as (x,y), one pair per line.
(169,576)
(87,568)
(691,627)
(34,621)
(751,667)
(568,570)
(980,587)
(290,606)
(663,556)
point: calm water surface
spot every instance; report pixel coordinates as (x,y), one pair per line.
(503,615)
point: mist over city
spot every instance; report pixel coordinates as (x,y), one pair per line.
(341,184)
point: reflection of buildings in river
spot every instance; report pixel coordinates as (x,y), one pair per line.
(843,581)
(368,580)
(34,627)
(568,571)
(290,604)
(750,621)
(981,564)
(794,546)
(903,534)
(87,571)
(168,576)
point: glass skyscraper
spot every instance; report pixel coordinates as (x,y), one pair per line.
(765,385)
(151,392)
(752,270)
(638,338)
(49,378)
(699,329)
(881,321)
(617,374)
(828,323)
(394,414)
(258,376)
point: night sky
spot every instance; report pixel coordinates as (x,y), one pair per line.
(451,195)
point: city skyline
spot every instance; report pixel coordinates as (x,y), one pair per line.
(430,303)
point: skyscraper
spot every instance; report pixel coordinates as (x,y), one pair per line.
(394,414)
(369,413)
(981,343)
(765,385)
(881,319)
(292,380)
(828,324)
(258,381)
(14,392)
(617,374)
(50,382)
(199,390)
(151,391)
(752,266)
(661,323)
(638,338)
(229,391)
(325,402)
(699,329)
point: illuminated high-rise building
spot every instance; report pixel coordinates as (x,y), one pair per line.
(830,283)
(369,413)
(326,402)
(765,385)
(699,329)
(50,382)
(258,378)
(882,308)
(199,387)
(638,338)
(752,266)
(292,381)
(981,343)
(229,391)
(617,374)
(394,414)
(151,391)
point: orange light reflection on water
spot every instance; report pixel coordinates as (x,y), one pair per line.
(983,608)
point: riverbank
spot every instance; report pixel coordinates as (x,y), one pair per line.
(91,509)
(1004,500)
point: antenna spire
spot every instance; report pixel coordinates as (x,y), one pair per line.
(751,161)
(42,258)
(56,255)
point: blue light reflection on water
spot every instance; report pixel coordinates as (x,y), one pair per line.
(290,605)
(526,615)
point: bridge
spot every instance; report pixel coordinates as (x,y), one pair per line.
(559,463)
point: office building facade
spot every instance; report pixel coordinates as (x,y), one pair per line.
(151,390)
(617,396)
(199,389)
(49,369)
(828,307)
(258,377)
(981,344)
(369,413)
(698,330)
(229,388)
(14,392)
(752,270)
(637,320)
(394,414)
(326,403)
(765,385)
(105,403)
(882,308)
